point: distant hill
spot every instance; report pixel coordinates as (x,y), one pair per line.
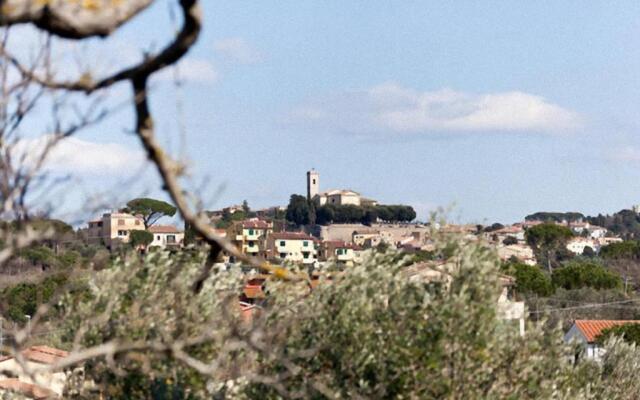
(625,223)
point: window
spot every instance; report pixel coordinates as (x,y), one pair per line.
(314,181)
(120,222)
(251,244)
(157,237)
(283,255)
(282,243)
(123,233)
(305,255)
(137,222)
(305,243)
(171,239)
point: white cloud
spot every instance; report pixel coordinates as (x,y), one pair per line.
(629,154)
(237,50)
(190,70)
(80,157)
(391,108)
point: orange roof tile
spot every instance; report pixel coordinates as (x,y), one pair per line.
(41,354)
(291,236)
(27,389)
(163,229)
(591,329)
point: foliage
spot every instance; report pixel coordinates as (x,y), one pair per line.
(140,238)
(628,332)
(628,249)
(23,299)
(493,227)
(299,210)
(151,210)
(624,223)
(375,334)
(509,240)
(579,274)
(530,279)
(548,242)
(555,216)
(349,213)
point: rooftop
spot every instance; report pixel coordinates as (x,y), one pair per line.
(164,229)
(591,329)
(291,236)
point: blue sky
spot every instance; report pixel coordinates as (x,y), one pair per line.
(501,108)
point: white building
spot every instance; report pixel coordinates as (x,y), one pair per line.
(15,378)
(166,236)
(577,245)
(297,247)
(336,197)
(586,333)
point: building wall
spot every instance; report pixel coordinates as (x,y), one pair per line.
(52,381)
(167,239)
(294,250)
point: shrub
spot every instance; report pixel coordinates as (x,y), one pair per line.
(579,274)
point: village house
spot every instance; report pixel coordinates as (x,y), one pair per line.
(166,237)
(369,238)
(43,385)
(333,197)
(342,253)
(113,229)
(586,332)
(297,247)
(522,252)
(251,236)
(588,230)
(577,245)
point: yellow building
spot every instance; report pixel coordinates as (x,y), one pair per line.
(113,229)
(251,236)
(297,247)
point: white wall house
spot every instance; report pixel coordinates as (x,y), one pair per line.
(41,385)
(297,247)
(577,245)
(586,332)
(166,236)
(336,197)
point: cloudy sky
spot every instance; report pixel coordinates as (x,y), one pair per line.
(499,108)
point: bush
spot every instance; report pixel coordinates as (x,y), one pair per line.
(579,274)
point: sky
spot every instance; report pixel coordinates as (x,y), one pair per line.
(497,109)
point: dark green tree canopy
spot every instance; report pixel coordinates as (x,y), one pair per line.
(587,273)
(629,249)
(151,210)
(629,332)
(555,216)
(299,210)
(530,279)
(140,238)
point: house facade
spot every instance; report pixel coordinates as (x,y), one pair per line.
(166,237)
(297,247)
(586,332)
(14,378)
(251,236)
(113,229)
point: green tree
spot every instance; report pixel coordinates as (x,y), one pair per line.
(628,249)
(628,332)
(530,279)
(299,210)
(151,210)
(510,240)
(140,238)
(548,241)
(587,273)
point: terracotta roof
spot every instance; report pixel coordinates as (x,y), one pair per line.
(253,291)
(591,329)
(27,389)
(41,354)
(291,236)
(256,224)
(164,229)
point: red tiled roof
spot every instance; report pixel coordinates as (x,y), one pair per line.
(253,291)
(27,389)
(41,354)
(591,329)
(163,229)
(256,224)
(291,236)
